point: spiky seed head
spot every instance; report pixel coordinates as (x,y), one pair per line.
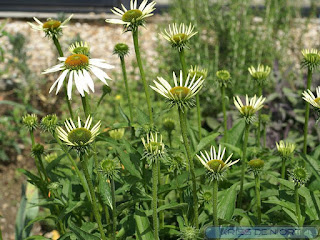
(121,49)
(299,175)
(30,121)
(49,123)
(311,59)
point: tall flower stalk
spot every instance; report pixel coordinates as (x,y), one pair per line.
(216,166)
(286,151)
(259,75)
(247,111)
(224,78)
(181,95)
(154,151)
(311,61)
(256,166)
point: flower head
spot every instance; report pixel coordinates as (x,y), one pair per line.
(311,58)
(299,175)
(80,48)
(255,165)
(121,49)
(52,27)
(261,73)
(251,106)
(189,233)
(310,98)
(179,36)
(223,77)
(109,167)
(153,147)
(116,134)
(79,137)
(214,163)
(134,17)
(49,123)
(285,149)
(182,93)
(30,121)
(77,66)
(198,72)
(37,150)
(169,124)
(50,157)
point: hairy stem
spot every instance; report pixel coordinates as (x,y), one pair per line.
(259,120)
(114,210)
(124,72)
(199,116)
(143,77)
(183,126)
(58,46)
(258,199)
(215,203)
(155,199)
(86,105)
(84,165)
(306,117)
(297,202)
(183,63)
(244,162)
(223,98)
(283,168)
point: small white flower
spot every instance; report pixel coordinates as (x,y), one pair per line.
(261,73)
(286,149)
(153,147)
(80,48)
(81,136)
(310,98)
(133,17)
(77,67)
(51,27)
(214,162)
(182,93)
(179,36)
(251,107)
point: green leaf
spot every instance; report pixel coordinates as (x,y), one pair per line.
(105,191)
(288,205)
(81,234)
(124,115)
(235,134)
(206,141)
(227,204)
(143,228)
(314,165)
(173,205)
(36,238)
(142,118)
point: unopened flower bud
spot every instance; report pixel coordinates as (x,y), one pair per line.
(30,121)
(121,49)
(49,123)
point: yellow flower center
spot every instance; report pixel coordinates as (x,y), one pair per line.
(216,165)
(77,61)
(131,15)
(247,110)
(317,100)
(180,92)
(79,136)
(180,37)
(51,24)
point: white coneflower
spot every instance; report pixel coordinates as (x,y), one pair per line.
(261,73)
(153,147)
(198,72)
(311,58)
(77,67)
(80,48)
(251,106)
(181,94)
(285,149)
(79,137)
(51,27)
(214,162)
(310,98)
(133,17)
(179,36)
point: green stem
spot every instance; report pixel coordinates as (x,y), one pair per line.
(264,135)
(143,77)
(74,164)
(258,199)
(259,121)
(183,126)
(307,110)
(86,105)
(155,199)
(160,199)
(183,63)
(215,203)
(32,138)
(283,168)
(124,72)
(170,138)
(199,116)
(43,169)
(244,162)
(84,164)
(223,96)
(297,202)
(58,46)
(114,210)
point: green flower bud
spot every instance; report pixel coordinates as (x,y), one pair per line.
(106,89)
(223,77)
(109,167)
(49,123)
(189,233)
(169,124)
(50,157)
(255,165)
(198,72)
(37,150)
(117,134)
(261,73)
(80,48)
(121,49)
(30,121)
(54,186)
(285,149)
(265,119)
(299,175)
(311,58)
